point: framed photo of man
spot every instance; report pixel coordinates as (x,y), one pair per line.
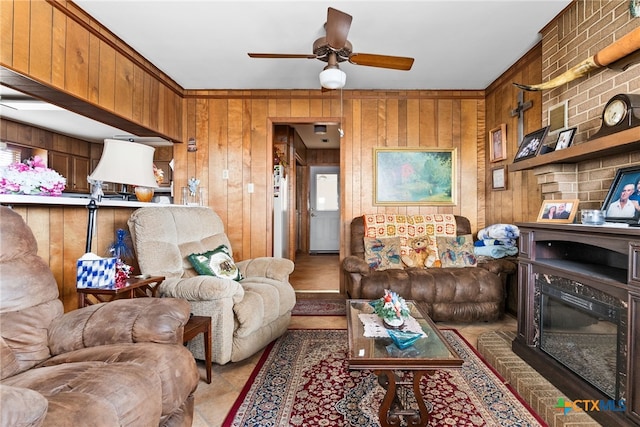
(622,203)
(563,211)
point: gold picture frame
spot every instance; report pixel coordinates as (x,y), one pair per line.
(560,211)
(498,143)
(414,176)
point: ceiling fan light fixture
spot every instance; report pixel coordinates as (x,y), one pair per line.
(333,78)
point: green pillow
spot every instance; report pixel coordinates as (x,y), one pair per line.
(217,262)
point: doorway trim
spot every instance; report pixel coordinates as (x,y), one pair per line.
(279,120)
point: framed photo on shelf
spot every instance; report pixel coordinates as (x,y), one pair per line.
(623,198)
(565,138)
(498,143)
(499,178)
(414,176)
(562,211)
(531,144)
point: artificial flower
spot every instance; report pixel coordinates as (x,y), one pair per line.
(31,177)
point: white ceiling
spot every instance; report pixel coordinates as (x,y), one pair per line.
(203,44)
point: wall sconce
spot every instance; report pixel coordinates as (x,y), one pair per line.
(191,145)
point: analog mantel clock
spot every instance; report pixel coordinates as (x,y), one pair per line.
(621,112)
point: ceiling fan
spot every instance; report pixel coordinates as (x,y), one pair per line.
(335,48)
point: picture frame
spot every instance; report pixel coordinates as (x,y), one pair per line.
(499,178)
(560,211)
(565,138)
(613,211)
(415,176)
(531,144)
(498,143)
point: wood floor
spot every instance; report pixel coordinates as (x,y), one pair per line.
(316,274)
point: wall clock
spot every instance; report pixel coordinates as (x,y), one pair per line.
(620,113)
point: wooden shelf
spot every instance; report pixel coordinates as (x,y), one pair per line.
(607,145)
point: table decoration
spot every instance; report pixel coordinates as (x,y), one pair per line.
(391,308)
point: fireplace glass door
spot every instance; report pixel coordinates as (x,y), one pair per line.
(581,334)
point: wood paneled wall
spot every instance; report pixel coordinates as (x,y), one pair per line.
(61,235)
(522,198)
(234,132)
(60,47)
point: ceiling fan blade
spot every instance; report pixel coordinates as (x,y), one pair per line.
(382,61)
(337,28)
(282,55)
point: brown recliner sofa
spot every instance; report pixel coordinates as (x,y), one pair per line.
(120,363)
(447,294)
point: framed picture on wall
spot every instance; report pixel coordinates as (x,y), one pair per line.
(622,203)
(498,143)
(563,211)
(530,144)
(499,178)
(414,176)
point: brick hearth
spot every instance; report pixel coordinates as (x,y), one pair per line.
(539,393)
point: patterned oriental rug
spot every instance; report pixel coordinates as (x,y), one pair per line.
(320,307)
(303,379)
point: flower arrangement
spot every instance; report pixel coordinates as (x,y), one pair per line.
(158,174)
(31,177)
(391,306)
(123,272)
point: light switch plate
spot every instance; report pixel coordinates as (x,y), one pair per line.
(250,187)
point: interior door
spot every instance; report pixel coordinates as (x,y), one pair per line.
(324,209)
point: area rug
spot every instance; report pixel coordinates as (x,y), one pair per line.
(320,307)
(303,379)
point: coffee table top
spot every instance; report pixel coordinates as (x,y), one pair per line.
(430,352)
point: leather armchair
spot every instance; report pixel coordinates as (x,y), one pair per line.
(447,294)
(246,315)
(118,363)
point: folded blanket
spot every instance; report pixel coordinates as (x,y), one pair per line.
(495,251)
(499,231)
(492,242)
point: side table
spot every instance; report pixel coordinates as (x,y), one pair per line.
(197,325)
(140,287)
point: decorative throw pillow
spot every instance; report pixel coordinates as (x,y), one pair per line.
(382,253)
(457,251)
(217,262)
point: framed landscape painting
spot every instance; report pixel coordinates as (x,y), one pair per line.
(414,176)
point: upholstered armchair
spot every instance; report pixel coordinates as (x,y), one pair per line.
(120,363)
(246,314)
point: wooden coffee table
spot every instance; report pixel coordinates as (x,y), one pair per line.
(425,356)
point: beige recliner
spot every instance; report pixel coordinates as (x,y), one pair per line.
(247,314)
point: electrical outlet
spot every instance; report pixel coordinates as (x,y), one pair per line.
(225,174)
(250,187)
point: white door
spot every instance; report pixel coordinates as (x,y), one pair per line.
(324,208)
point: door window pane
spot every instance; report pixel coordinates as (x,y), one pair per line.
(327,192)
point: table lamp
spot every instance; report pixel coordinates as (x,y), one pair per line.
(122,162)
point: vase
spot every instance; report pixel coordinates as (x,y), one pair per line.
(144,194)
(395,323)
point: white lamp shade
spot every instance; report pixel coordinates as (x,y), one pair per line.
(125,162)
(333,78)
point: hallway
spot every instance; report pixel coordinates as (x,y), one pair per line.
(316,274)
